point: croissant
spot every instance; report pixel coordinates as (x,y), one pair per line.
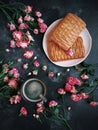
(58,54)
(67,31)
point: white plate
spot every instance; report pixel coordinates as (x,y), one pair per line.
(87,41)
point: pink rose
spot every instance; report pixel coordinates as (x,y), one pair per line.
(30,38)
(40,110)
(23,26)
(61,91)
(22,44)
(40,21)
(35,31)
(73,90)
(53,103)
(43,27)
(51,74)
(39,104)
(70,52)
(6,78)
(14,72)
(68,87)
(75,97)
(93,103)
(23,111)
(20,20)
(38,13)
(84,76)
(28,9)
(12,99)
(25,66)
(85,96)
(15,99)
(27,18)
(28,54)
(11,26)
(17,35)
(12,44)
(13,83)
(36,63)
(73,81)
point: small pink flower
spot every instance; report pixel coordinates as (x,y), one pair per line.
(23,26)
(38,13)
(17,35)
(12,100)
(14,72)
(73,90)
(51,74)
(17,99)
(40,110)
(25,66)
(22,44)
(85,96)
(11,26)
(28,54)
(30,38)
(36,63)
(6,78)
(23,111)
(27,18)
(35,31)
(84,76)
(70,52)
(93,103)
(20,20)
(73,81)
(39,104)
(40,21)
(12,44)
(68,87)
(53,103)
(13,83)
(19,59)
(75,97)
(61,91)
(28,9)
(43,27)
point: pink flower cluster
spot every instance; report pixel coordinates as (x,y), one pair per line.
(12,78)
(15,99)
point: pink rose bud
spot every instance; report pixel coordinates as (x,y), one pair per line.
(84,76)
(25,66)
(28,54)
(93,103)
(20,20)
(70,52)
(6,78)
(61,91)
(12,44)
(53,103)
(36,63)
(40,110)
(38,13)
(23,111)
(23,26)
(12,83)
(28,9)
(17,35)
(51,74)
(11,26)
(35,31)
(75,97)
(27,18)
(39,104)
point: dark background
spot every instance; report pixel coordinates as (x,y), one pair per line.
(81,116)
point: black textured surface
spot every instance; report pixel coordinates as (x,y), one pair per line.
(81,116)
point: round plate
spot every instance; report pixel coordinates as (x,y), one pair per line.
(87,41)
